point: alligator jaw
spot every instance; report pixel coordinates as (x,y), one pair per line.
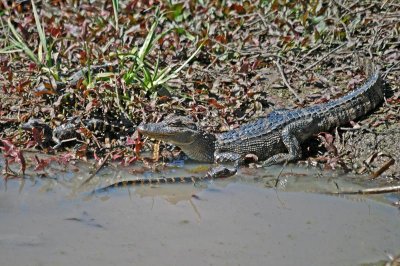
(183,132)
(155,131)
(177,130)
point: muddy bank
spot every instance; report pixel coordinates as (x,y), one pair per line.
(367,152)
(233,221)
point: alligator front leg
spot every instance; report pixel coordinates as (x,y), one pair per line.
(291,142)
(222,171)
(222,157)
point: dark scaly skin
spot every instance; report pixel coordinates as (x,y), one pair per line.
(217,172)
(42,127)
(275,138)
(59,135)
(66,132)
(151,181)
(79,75)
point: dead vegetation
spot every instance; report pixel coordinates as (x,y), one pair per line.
(129,62)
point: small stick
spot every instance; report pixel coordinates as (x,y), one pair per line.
(375,190)
(323,57)
(286,82)
(384,167)
(390,69)
(373,43)
(342,6)
(279,176)
(97,170)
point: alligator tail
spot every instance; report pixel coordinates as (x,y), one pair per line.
(153,181)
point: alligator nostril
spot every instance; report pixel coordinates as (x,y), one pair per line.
(141,127)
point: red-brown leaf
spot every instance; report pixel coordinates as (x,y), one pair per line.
(214,103)
(13,154)
(41,164)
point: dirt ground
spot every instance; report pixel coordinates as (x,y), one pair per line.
(248,59)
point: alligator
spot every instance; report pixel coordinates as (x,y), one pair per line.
(66,132)
(78,76)
(275,138)
(216,172)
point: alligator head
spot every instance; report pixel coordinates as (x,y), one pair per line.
(42,128)
(184,133)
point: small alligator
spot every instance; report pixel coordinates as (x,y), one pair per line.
(79,75)
(65,132)
(217,172)
(275,138)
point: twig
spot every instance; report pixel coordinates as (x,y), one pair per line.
(384,3)
(263,20)
(212,63)
(286,82)
(373,43)
(376,190)
(278,178)
(246,52)
(323,57)
(97,170)
(118,102)
(342,6)
(384,167)
(390,69)
(228,47)
(311,51)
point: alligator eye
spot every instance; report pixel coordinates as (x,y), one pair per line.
(191,126)
(177,124)
(181,124)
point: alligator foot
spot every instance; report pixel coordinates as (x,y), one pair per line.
(279,158)
(221,172)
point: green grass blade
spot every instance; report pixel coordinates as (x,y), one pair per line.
(156,68)
(11,49)
(14,32)
(148,42)
(19,43)
(115,4)
(40,30)
(163,73)
(165,78)
(148,79)
(176,71)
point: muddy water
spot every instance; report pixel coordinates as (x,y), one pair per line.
(52,220)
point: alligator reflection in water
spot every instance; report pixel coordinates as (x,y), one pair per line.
(289,178)
(47,221)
